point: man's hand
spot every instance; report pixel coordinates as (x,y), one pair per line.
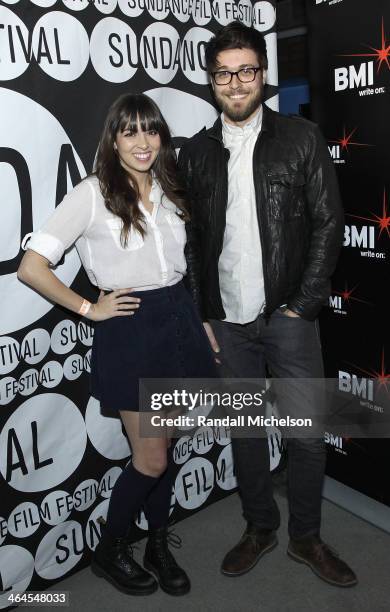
(212,339)
(290,313)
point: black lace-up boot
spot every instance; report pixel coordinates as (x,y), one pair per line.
(160,561)
(113,560)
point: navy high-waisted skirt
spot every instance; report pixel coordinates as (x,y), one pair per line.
(165,338)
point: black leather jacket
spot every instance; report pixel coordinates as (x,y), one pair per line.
(299,214)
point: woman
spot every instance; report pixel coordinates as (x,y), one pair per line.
(128,223)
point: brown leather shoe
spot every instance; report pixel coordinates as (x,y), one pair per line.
(324,561)
(254,543)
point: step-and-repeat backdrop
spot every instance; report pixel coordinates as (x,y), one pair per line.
(61,65)
(349,51)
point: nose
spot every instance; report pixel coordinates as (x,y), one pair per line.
(235,82)
(142,140)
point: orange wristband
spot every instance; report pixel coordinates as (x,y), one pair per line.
(84,308)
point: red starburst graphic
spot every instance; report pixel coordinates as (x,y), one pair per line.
(382,55)
(382,222)
(345,141)
(347,295)
(380,377)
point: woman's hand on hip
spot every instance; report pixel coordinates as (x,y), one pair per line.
(115,304)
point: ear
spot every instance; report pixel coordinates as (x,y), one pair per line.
(115,146)
(264,76)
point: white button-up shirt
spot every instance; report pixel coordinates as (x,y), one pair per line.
(149,262)
(240,264)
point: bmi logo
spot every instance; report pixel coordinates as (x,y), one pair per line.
(340,301)
(336,442)
(342,144)
(364,236)
(367,387)
(362,76)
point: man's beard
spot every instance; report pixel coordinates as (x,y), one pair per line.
(243,113)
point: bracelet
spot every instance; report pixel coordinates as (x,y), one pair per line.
(84,308)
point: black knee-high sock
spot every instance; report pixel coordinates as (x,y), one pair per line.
(158,501)
(128,495)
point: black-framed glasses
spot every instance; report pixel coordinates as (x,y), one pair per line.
(245,75)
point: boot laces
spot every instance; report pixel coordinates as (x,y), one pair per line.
(173,539)
(162,549)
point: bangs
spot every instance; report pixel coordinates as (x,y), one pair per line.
(142,107)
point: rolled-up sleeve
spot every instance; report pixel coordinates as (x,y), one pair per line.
(68,222)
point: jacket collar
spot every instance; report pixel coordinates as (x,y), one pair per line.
(215,131)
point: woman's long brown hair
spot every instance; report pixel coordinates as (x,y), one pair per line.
(120,194)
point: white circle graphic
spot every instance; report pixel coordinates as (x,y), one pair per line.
(108,481)
(203,440)
(14,58)
(185,114)
(272,72)
(105,433)
(17,568)
(92,528)
(87,361)
(181,10)
(44,3)
(246,12)
(9,354)
(224,470)
(222,435)
(182,450)
(60,550)
(131,8)
(194,483)
(85,494)
(158,10)
(8,389)
(225,11)
(76,5)
(114,52)
(3,529)
(85,332)
(56,507)
(63,337)
(42,443)
(61,46)
(201,12)
(160,52)
(35,345)
(275,445)
(73,367)
(264,16)
(20,305)
(192,55)
(51,374)
(105,6)
(24,520)
(28,382)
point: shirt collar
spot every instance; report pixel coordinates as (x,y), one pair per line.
(254,125)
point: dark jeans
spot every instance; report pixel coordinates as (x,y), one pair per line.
(290,347)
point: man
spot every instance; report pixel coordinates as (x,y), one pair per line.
(267,228)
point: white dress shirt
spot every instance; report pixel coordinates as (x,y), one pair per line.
(240,264)
(149,262)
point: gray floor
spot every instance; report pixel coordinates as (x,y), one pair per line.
(276,584)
